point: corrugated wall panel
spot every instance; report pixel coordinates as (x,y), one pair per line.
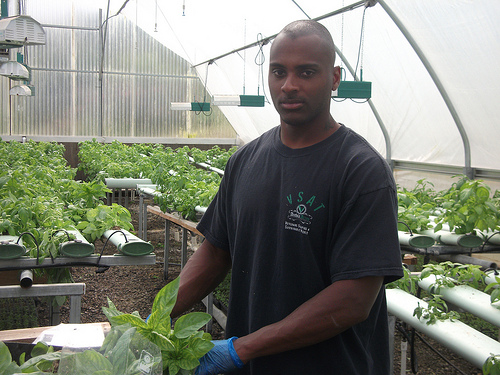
(141,78)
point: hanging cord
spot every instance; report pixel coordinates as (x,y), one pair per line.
(359,61)
(36,244)
(342,39)
(156,16)
(486,242)
(244,58)
(407,226)
(259,60)
(361,54)
(102,269)
(200,106)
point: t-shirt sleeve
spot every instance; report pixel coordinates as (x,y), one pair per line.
(213,224)
(366,240)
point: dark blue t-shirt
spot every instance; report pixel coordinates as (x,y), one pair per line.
(295,221)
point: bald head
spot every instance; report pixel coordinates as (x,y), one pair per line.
(301,28)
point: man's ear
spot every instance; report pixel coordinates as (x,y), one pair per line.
(336,78)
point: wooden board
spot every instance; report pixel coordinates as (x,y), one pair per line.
(189,225)
(28,335)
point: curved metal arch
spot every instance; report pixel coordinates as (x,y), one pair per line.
(468,171)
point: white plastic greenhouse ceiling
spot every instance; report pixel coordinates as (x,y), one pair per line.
(431,65)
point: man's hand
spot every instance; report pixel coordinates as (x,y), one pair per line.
(222,358)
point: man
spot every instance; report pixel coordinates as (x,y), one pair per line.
(306,217)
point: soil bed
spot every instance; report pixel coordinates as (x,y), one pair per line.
(133,288)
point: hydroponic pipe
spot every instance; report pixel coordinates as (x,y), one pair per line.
(491,276)
(492,238)
(26,279)
(11,247)
(77,248)
(472,345)
(126,183)
(415,240)
(127,243)
(467,298)
(453,239)
(200,209)
(465,259)
(206,166)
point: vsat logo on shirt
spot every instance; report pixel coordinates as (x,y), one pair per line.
(299,218)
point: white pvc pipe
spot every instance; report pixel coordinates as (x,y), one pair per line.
(148,190)
(472,345)
(467,298)
(415,240)
(447,237)
(125,183)
(453,239)
(200,209)
(491,277)
(493,237)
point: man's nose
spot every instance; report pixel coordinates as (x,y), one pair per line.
(290,84)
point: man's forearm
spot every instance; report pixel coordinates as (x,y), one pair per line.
(329,313)
(205,269)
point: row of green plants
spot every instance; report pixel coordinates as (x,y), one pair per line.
(181,183)
(134,345)
(467,207)
(450,275)
(40,198)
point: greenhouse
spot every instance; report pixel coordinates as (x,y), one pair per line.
(119,120)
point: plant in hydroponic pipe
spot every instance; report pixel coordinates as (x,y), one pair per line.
(492,365)
(467,206)
(415,206)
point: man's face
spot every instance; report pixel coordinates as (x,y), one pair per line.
(301,79)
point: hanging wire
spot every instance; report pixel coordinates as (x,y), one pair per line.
(360,49)
(200,105)
(342,39)
(156,16)
(244,56)
(260,59)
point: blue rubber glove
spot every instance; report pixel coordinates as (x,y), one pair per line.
(221,359)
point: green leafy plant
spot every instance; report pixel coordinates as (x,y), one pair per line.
(436,309)
(43,359)
(492,365)
(467,206)
(101,218)
(450,274)
(415,206)
(181,347)
(130,354)
(494,289)
(408,283)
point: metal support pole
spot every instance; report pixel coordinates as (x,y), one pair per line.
(145,221)
(75,309)
(141,203)
(126,198)
(210,310)
(166,249)
(184,247)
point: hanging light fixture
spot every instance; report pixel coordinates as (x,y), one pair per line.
(14,70)
(22,90)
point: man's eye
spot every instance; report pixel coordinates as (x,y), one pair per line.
(278,72)
(308,73)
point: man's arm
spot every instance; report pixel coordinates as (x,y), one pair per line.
(332,311)
(204,270)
